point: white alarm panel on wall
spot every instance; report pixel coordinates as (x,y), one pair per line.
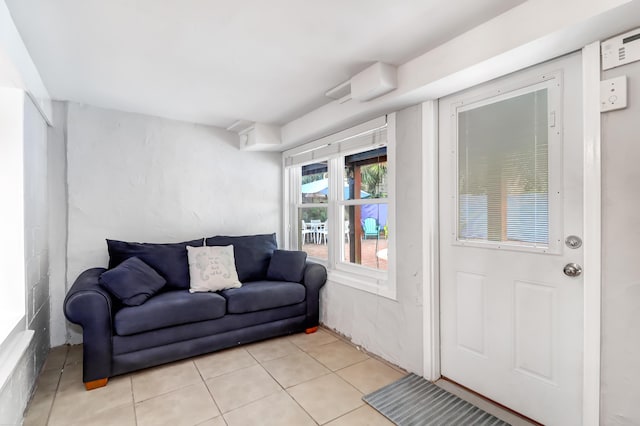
(621,49)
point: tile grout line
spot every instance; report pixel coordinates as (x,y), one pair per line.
(133,373)
(259,399)
(331,372)
(306,349)
(349,412)
(341,368)
(209,392)
(325,375)
(53,399)
(285,389)
(160,394)
(55,394)
(235,371)
(363,350)
(305,381)
(133,401)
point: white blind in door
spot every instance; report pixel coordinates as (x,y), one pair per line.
(503,173)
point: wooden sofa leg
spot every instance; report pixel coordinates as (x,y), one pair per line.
(94,384)
(311,330)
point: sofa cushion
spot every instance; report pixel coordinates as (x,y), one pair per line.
(212,268)
(252,253)
(132,281)
(167,309)
(259,295)
(287,265)
(169,260)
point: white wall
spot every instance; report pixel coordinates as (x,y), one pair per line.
(16,392)
(12,273)
(388,328)
(139,178)
(16,66)
(36,229)
(621,253)
(57,172)
(538,30)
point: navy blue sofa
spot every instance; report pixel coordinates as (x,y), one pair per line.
(175,324)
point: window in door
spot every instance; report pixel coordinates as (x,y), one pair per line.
(503,172)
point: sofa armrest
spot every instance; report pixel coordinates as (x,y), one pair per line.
(315,276)
(90,306)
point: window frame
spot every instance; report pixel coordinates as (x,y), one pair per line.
(553,83)
(379,282)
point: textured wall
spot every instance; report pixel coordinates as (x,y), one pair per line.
(16,392)
(620,253)
(139,178)
(36,231)
(391,329)
(57,174)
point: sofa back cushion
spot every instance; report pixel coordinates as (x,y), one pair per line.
(287,265)
(168,260)
(132,281)
(252,253)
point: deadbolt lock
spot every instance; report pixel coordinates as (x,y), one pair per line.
(573,242)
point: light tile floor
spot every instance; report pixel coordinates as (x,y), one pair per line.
(295,380)
(298,380)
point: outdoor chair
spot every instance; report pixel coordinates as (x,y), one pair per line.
(323,232)
(305,230)
(314,229)
(371,228)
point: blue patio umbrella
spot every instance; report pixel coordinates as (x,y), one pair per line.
(321,187)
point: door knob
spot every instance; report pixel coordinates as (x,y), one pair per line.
(572,270)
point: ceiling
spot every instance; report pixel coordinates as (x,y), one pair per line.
(214,61)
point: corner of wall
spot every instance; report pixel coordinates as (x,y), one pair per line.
(58,219)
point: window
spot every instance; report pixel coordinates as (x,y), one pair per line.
(313,210)
(12,253)
(340,205)
(503,169)
(365,209)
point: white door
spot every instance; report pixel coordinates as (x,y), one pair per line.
(510,194)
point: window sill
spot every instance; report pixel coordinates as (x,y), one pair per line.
(379,287)
(12,349)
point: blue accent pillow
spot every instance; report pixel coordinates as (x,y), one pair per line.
(252,253)
(287,265)
(132,281)
(168,260)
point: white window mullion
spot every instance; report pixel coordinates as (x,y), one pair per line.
(335,182)
(295,199)
(363,201)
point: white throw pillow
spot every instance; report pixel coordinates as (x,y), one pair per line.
(212,268)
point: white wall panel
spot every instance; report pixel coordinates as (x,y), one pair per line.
(391,329)
(620,384)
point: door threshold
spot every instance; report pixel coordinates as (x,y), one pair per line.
(498,410)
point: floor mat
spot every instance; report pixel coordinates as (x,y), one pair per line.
(414,401)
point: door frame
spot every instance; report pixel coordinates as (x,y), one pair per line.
(592,217)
